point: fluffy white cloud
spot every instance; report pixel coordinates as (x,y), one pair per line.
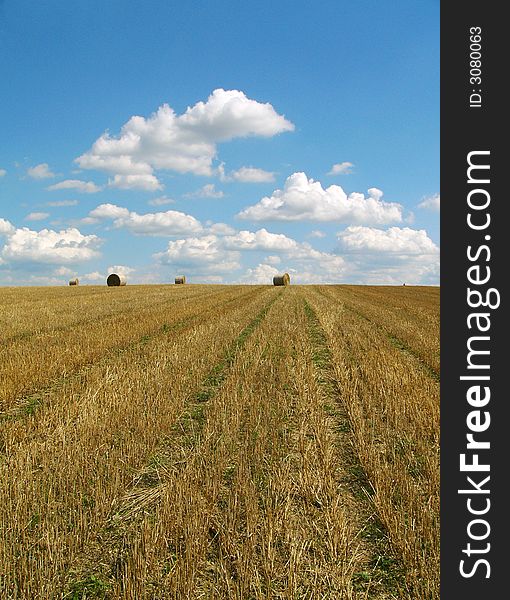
(262,274)
(6,228)
(41,171)
(49,247)
(229,114)
(94,276)
(207,191)
(392,256)
(395,240)
(222,254)
(171,222)
(37,216)
(85,187)
(305,199)
(343,168)
(273,260)
(109,211)
(147,182)
(250,175)
(220,228)
(202,254)
(317,233)
(260,240)
(305,266)
(185,143)
(121,270)
(431,203)
(64,272)
(3,172)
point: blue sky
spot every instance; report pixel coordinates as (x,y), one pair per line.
(229,141)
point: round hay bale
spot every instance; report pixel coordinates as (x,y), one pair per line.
(75,281)
(281,279)
(180,279)
(116,280)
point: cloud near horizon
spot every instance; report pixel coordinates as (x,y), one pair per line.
(220,255)
(303,199)
(391,256)
(170,222)
(68,246)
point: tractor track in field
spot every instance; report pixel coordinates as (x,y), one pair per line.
(27,404)
(103,563)
(26,335)
(394,340)
(384,575)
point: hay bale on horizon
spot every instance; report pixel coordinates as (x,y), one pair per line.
(74,281)
(180,279)
(115,279)
(281,279)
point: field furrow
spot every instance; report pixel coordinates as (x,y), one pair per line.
(64,351)
(63,467)
(68,313)
(109,558)
(409,320)
(393,408)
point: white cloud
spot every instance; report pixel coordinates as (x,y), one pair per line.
(94,276)
(41,171)
(37,216)
(431,203)
(86,187)
(273,260)
(62,203)
(245,175)
(207,191)
(375,193)
(220,228)
(185,143)
(49,247)
(261,274)
(229,114)
(171,222)
(6,228)
(3,172)
(64,272)
(260,240)
(317,233)
(215,254)
(161,201)
(146,182)
(343,168)
(305,265)
(305,199)
(392,256)
(109,211)
(203,254)
(395,240)
(121,270)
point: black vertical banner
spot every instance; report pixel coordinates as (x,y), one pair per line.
(475,434)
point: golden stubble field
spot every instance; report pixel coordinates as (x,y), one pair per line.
(244,442)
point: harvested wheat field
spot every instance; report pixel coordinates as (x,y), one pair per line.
(244,442)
